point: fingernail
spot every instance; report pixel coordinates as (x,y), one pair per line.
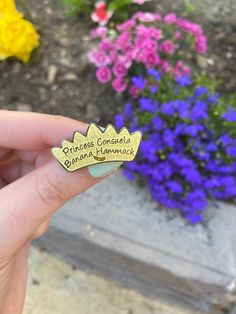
(101,128)
(104,169)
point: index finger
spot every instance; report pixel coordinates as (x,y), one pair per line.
(33,131)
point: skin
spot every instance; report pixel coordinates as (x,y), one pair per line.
(33,186)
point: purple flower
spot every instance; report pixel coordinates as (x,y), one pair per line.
(128,110)
(153,89)
(157,123)
(180,160)
(183,81)
(129,174)
(180,129)
(175,187)
(230,115)
(201,90)
(154,73)
(146,104)
(183,157)
(199,111)
(168,108)
(191,175)
(193,218)
(211,147)
(145,169)
(213,99)
(138,82)
(119,121)
(196,199)
(231,150)
(132,165)
(149,150)
(226,140)
(169,137)
(194,129)
(182,108)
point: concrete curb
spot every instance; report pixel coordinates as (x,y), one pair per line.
(116,230)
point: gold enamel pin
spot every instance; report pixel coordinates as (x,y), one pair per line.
(97,146)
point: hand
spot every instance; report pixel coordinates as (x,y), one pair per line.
(33,185)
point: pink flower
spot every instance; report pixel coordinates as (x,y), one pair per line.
(177,35)
(140,2)
(142,31)
(135,16)
(189,27)
(186,70)
(100,15)
(170,18)
(105,45)
(196,29)
(146,17)
(155,33)
(167,47)
(201,44)
(139,41)
(180,69)
(103,75)
(157,16)
(126,26)
(179,64)
(151,59)
(119,85)
(134,92)
(123,40)
(98,58)
(112,55)
(150,45)
(100,31)
(119,70)
(126,60)
(184,24)
(165,66)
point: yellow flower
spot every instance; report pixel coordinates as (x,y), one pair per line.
(18,37)
(7,6)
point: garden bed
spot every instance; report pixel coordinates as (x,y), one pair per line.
(61,81)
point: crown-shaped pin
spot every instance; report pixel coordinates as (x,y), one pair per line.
(97,146)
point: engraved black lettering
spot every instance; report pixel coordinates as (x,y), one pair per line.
(65,150)
(67,164)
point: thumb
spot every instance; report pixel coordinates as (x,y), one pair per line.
(29,201)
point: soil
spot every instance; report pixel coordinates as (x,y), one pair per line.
(60,80)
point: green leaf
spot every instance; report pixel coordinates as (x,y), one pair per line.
(189,7)
(118,4)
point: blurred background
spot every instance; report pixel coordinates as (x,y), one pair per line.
(159,236)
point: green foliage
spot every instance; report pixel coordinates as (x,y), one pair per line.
(189,7)
(224,102)
(211,84)
(118,4)
(122,9)
(231,100)
(166,93)
(78,6)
